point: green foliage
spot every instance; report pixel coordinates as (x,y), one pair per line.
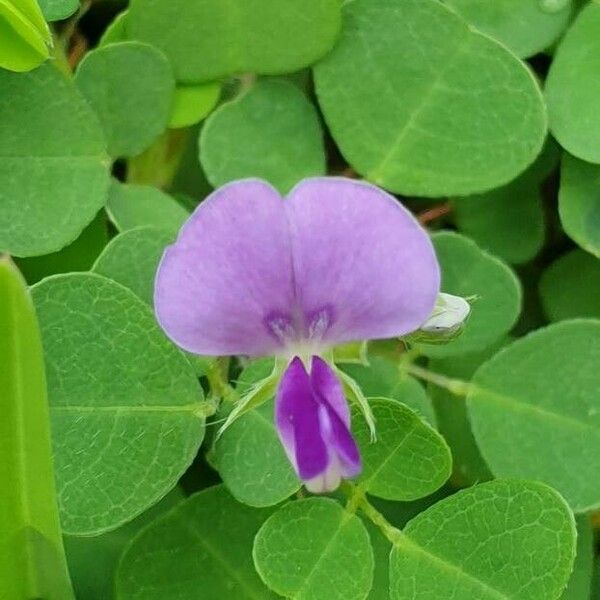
(579,202)
(469,271)
(581,578)
(131,259)
(570,287)
(131,86)
(32,561)
(524,404)
(201,548)
(141,110)
(313,548)
(409,459)
(24,35)
(130,206)
(116,31)
(210,39)
(572,87)
(93,560)
(56,10)
(77,256)
(383,378)
(525,26)
(193,102)
(498,540)
(271,132)
(125,405)
(251,460)
(54,178)
(509,221)
(421,104)
(451,415)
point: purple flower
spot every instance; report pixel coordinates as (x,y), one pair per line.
(336,261)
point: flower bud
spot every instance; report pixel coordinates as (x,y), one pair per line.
(445,322)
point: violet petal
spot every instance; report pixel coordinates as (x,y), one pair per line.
(361,258)
(229,268)
(297,422)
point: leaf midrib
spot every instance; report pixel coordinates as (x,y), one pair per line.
(407,544)
(480,393)
(388,458)
(184,408)
(377,172)
(252,592)
(345,518)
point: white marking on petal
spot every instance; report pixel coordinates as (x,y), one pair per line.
(329,480)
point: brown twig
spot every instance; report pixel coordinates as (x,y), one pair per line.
(350,173)
(434,213)
(79,46)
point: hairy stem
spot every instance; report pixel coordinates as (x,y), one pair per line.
(358,500)
(458,387)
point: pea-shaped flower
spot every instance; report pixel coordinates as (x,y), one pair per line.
(253,273)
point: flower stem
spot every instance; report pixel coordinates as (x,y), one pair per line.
(358,500)
(458,387)
(434,213)
(158,164)
(217,379)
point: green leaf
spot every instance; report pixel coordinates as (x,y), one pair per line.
(131,259)
(200,549)
(422,104)
(248,454)
(573,87)
(581,577)
(579,202)
(93,560)
(56,10)
(525,26)
(503,540)
(272,132)
(24,35)
(210,39)
(32,560)
(570,287)
(116,30)
(451,415)
(469,271)
(251,460)
(132,206)
(381,552)
(77,256)
(190,179)
(382,378)
(314,549)
(409,460)
(131,87)
(192,103)
(509,221)
(125,403)
(55,178)
(535,410)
